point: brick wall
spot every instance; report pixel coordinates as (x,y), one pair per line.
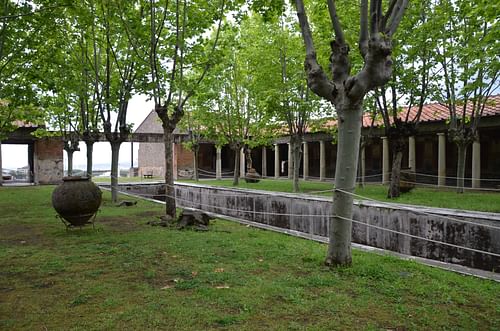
(48,161)
(184,157)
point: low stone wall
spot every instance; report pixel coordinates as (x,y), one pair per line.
(310,214)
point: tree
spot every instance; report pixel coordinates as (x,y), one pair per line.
(469,68)
(411,79)
(57,81)
(346,92)
(62,121)
(115,71)
(21,29)
(193,124)
(63,73)
(234,93)
(285,88)
(177,45)
(86,96)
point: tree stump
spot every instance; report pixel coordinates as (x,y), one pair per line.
(196,219)
(164,221)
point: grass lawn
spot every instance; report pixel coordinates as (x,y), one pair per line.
(128,275)
(480,201)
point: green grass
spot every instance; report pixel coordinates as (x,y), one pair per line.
(479,201)
(128,275)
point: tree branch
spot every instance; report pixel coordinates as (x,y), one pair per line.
(388,14)
(399,11)
(316,78)
(337,27)
(363,34)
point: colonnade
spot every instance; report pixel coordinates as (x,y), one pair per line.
(412,162)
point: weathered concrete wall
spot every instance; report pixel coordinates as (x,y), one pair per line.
(48,161)
(310,214)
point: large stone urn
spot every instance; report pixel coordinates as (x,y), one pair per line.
(252,176)
(408,180)
(76,200)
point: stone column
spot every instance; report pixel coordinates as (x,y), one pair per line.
(476,164)
(362,165)
(441,159)
(264,161)
(218,163)
(385,160)
(175,153)
(305,156)
(412,161)
(242,163)
(276,161)
(322,162)
(35,164)
(290,162)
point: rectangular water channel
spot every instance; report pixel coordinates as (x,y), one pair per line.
(466,238)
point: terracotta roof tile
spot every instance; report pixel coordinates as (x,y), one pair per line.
(21,124)
(434,112)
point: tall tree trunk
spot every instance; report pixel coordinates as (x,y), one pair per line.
(90,152)
(297,156)
(115,153)
(196,152)
(236,176)
(398,146)
(70,152)
(1,165)
(462,156)
(349,133)
(170,205)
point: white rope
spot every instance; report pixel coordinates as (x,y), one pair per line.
(450,177)
(417,237)
(214,173)
(451,187)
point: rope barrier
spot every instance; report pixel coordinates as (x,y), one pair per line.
(452,187)
(418,237)
(451,177)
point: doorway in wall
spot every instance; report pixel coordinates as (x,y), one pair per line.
(17,164)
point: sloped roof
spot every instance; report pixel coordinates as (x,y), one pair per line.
(433,112)
(439,112)
(152,124)
(21,124)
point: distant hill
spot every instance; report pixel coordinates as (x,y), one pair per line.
(103,166)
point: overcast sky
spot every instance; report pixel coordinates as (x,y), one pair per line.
(16,156)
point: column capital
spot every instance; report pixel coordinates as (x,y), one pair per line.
(441,134)
(383,138)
